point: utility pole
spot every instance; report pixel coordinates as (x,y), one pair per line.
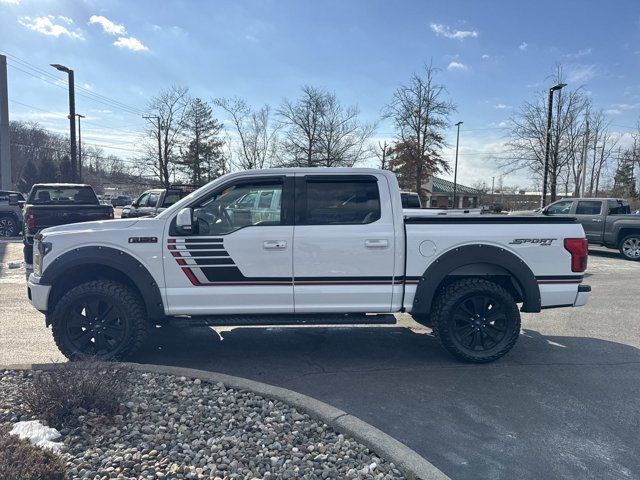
(559,86)
(72,119)
(455,170)
(493,182)
(157,118)
(79,147)
(584,161)
(5,147)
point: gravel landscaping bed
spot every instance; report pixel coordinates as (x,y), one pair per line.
(175,427)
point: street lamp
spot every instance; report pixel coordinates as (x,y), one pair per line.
(79,147)
(72,118)
(455,170)
(558,87)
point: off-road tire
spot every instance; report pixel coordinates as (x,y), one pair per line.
(8,226)
(446,322)
(133,317)
(633,237)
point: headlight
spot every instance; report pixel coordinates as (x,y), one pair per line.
(40,249)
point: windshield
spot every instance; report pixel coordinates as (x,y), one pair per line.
(63,196)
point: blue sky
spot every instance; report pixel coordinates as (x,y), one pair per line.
(494,55)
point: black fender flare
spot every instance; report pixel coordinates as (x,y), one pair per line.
(114,259)
(433,276)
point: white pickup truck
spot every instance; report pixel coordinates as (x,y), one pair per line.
(304,246)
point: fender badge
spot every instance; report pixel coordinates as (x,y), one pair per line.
(143,239)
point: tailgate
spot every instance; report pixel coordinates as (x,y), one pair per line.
(53,215)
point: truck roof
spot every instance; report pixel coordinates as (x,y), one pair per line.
(61,185)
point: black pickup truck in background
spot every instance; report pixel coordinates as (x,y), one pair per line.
(152,202)
(52,204)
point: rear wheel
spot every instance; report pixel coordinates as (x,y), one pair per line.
(476,320)
(630,247)
(8,227)
(101,319)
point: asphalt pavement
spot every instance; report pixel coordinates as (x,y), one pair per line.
(563,404)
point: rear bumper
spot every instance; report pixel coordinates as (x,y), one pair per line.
(560,294)
(38,294)
(582,297)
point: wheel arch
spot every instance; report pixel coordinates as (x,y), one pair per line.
(625,232)
(90,263)
(482,261)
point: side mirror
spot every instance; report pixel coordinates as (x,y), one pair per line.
(184,220)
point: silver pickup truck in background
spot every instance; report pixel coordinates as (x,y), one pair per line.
(606,221)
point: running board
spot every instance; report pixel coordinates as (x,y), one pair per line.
(291,319)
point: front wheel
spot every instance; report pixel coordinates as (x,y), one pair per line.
(476,320)
(102,319)
(630,247)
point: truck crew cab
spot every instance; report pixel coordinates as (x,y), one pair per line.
(291,246)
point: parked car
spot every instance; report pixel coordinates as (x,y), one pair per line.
(121,201)
(152,202)
(50,204)
(325,246)
(11,204)
(606,221)
(410,200)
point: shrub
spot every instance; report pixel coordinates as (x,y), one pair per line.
(19,460)
(58,396)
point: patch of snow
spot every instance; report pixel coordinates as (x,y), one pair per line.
(38,434)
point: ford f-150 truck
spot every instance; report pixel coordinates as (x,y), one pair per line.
(312,246)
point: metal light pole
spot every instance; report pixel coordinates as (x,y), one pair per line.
(72,119)
(455,170)
(79,147)
(558,86)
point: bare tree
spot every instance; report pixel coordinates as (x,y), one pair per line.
(528,135)
(383,152)
(319,131)
(171,107)
(257,134)
(420,111)
(602,145)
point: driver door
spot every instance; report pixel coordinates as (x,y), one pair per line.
(239,258)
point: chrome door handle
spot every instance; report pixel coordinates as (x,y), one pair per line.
(376,243)
(274,244)
(596,220)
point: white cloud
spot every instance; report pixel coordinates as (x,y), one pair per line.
(46,26)
(107,25)
(585,52)
(62,18)
(523,46)
(11,2)
(501,106)
(619,108)
(457,66)
(447,32)
(578,73)
(485,57)
(131,43)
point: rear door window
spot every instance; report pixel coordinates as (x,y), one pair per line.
(336,202)
(589,207)
(63,195)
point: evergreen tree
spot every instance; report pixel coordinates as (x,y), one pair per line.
(65,169)
(624,182)
(28,177)
(203,146)
(48,171)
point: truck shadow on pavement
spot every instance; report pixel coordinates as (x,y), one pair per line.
(555,407)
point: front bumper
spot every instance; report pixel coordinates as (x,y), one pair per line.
(38,294)
(582,297)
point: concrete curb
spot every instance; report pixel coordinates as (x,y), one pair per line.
(408,461)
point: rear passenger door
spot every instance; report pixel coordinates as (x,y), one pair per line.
(343,255)
(591,215)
